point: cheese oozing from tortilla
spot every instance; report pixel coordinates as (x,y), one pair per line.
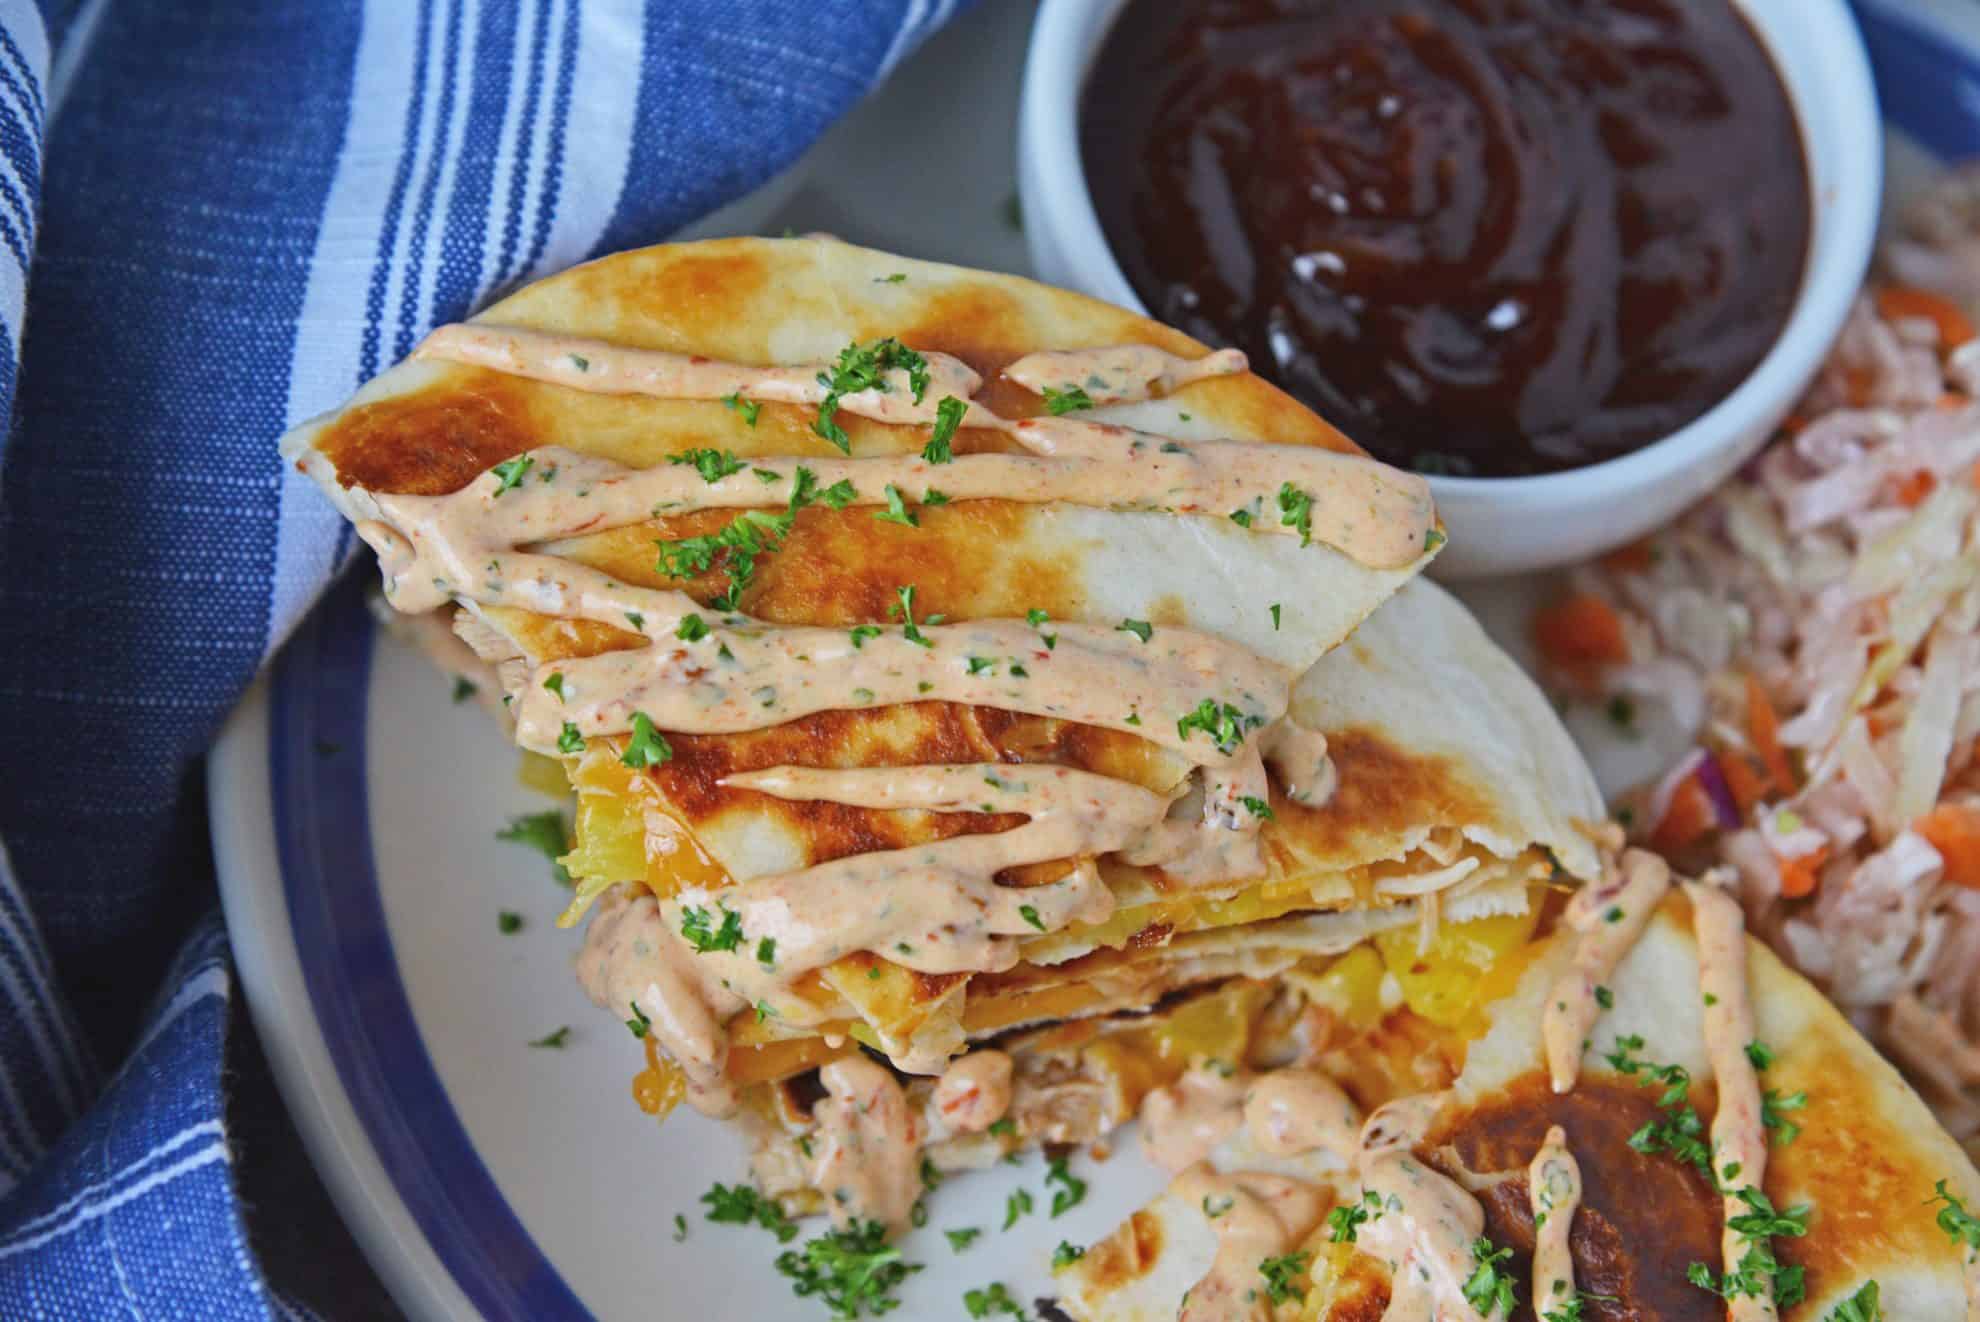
(1554,1187)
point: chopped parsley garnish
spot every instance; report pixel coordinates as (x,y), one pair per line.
(1017,1205)
(766,952)
(1030,915)
(744,1206)
(556,684)
(1224,724)
(749,408)
(464,688)
(862,632)
(1275,617)
(1490,1288)
(636,620)
(545,832)
(647,747)
(1344,1222)
(1773,1107)
(904,610)
(1035,617)
(680,1229)
(897,510)
(692,629)
(1215,1205)
(579,361)
(962,1238)
(554,1040)
(980,665)
(541,831)
(1863,1306)
(511,472)
(948,417)
(898,277)
(1757,1270)
(1258,807)
(1431,541)
(934,497)
(1066,1255)
(508,922)
(1760,1054)
(1141,629)
(695,926)
(750,534)
(1071,1191)
(839,495)
(1069,400)
(991,1300)
(713,465)
(1954,1219)
(1296,511)
(1680,1133)
(1605,998)
(1622,712)
(1242,518)
(1762,1220)
(639,1024)
(1007,1127)
(1282,1275)
(864,367)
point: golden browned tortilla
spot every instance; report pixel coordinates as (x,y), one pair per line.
(1454,779)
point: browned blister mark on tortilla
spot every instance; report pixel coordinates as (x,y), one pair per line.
(431,442)
(1644,1218)
(1122,1258)
(1383,791)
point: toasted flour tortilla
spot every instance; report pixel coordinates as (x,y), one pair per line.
(1453,772)
(1866,1160)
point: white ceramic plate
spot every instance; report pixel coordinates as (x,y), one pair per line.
(354,815)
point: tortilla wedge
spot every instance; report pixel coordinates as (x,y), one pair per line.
(1454,774)
(1866,1159)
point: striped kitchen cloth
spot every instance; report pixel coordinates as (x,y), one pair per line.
(218,217)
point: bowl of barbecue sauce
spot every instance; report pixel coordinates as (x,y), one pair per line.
(1571,259)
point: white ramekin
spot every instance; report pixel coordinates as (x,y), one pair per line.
(1508,524)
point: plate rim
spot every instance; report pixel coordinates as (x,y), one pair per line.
(252,805)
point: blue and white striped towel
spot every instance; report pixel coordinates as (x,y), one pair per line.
(218,219)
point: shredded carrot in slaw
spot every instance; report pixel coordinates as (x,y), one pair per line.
(1954,830)
(1901,301)
(1799,875)
(1580,633)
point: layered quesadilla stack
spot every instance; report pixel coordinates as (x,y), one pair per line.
(992,715)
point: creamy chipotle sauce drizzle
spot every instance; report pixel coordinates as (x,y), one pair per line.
(1424,1223)
(1739,1139)
(1553,1184)
(936,908)
(974,1092)
(1182,1123)
(1292,1111)
(1255,1216)
(866,1149)
(1607,920)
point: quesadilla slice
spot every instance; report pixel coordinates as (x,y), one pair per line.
(936,655)
(1718,1142)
